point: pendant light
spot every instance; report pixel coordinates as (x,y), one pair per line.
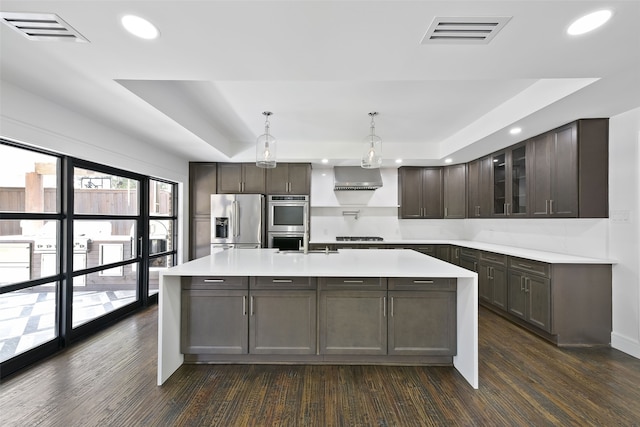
(372,157)
(266,146)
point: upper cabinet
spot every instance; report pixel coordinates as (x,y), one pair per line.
(236,178)
(479,188)
(455,201)
(569,171)
(289,178)
(420,191)
(202,184)
(509,179)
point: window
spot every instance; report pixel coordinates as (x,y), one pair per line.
(70,266)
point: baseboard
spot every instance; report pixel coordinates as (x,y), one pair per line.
(626,345)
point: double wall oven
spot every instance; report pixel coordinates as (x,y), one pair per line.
(287,217)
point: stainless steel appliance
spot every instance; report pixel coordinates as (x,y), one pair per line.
(237,221)
(287,214)
(288,219)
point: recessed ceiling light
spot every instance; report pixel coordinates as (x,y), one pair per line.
(398,161)
(325,160)
(449,160)
(515,131)
(139,27)
(589,22)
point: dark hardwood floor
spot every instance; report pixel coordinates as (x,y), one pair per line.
(109,380)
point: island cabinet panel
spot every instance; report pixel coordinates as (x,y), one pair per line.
(289,178)
(214,322)
(353,322)
(282,322)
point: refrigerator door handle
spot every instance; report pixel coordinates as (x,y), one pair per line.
(236,219)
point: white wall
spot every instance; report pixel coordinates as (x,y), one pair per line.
(33,120)
(624,204)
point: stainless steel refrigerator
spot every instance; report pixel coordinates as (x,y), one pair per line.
(237,221)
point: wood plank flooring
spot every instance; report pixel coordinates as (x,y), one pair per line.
(109,380)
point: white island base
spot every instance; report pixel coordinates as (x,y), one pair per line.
(346,263)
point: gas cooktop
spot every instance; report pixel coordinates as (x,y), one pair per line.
(359,239)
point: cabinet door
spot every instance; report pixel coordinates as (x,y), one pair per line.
(410,192)
(538,292)
(353,322)
(201,186)
(518,194)
(454,255)
(214,322)
(443,252)
(500,188)
(517,297)
(299,178)
(499,282)
(473,189)
(540,175)
(422,323)
(479,204)
(229,178)
(432,193)
(282,322)
(455,178)
(469,264)
(200,237)
(278,179)
(564,173)
(485,285)
(253,180)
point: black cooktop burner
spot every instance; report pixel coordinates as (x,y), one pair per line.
(359,239)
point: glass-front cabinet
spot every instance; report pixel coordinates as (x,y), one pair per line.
(509,180)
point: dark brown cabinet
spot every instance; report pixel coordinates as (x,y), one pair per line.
(236,178)
(422,317)
(202,184)
(353,322)
(289,178)
(530,292)
(455,199)
(420,191)
(509,182)
(492,279)
(569,171)
(479,188)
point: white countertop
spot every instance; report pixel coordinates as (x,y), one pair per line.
(542,256)
(345,263)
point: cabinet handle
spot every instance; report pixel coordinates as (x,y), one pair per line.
(213,280)
(478,210)
(526,284)
(524,265)
(384,306)
(424,282)
(353,281)
(550,207)
(504,210)
(244,305)
(457,252)
(391,306)
(522,280)
(281,281)
(445,212)
(546,207)
(475,266)
(252,313)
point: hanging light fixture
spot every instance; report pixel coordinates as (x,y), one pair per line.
(266,146)
(372,157)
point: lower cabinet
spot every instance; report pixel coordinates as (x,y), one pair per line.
(353,322)
(422,322)
(282,322)
(214,321)
(530,292)
(492,279)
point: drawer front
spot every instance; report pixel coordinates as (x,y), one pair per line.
(529,266)
(283,282)
(421,284)
(469,253)
(493,258)
(215,282)
(361,283)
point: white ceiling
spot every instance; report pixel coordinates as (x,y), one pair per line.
(321,67)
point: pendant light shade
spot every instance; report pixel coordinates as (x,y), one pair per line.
(372,157)
(266,146)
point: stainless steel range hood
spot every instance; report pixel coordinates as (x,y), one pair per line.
(356,178)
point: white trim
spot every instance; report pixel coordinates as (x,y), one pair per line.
(626,345)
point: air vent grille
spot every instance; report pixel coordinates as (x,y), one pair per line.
(464,30)
(41,26)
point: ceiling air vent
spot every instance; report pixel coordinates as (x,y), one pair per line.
(41,26)
(464,30)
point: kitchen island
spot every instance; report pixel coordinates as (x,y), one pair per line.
(269,263)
